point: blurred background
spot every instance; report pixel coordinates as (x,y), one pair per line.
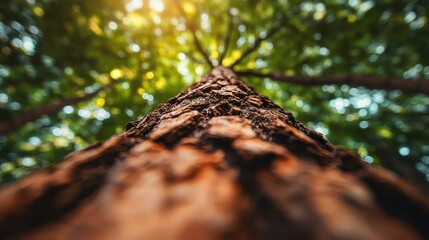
(73,72)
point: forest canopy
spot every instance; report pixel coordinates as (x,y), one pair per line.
(74,72)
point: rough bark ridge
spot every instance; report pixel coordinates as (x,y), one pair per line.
(217,161)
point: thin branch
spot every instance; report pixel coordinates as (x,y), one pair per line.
(197,42)
(274,29)
(227,39)
(21,119)
(192,57)
(367,81)
(200,49)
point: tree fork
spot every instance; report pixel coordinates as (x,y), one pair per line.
(217,161)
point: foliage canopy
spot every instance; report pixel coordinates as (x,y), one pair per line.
(145,51)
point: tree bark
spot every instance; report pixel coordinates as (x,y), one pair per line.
(411,86)
(218,161)
(23,118)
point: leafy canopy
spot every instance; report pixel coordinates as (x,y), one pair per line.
(146,51)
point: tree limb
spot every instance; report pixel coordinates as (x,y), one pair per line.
(227,39)
(273,30)
(21,119)
(200,48)
(197,42)
(192,58)
(367,81)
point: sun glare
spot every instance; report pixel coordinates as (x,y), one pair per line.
(156,5)
(133,5)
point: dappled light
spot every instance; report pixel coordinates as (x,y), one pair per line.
(355,71)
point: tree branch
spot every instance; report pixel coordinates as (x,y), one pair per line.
(227,39)
(274,29)
(192,58)
(370,82)
(197,42)
(21,119)
(200,48)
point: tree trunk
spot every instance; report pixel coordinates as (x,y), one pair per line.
(218,161)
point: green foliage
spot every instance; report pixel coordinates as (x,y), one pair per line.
(56,49)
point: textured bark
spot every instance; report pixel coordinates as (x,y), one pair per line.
(23,118)
(371,82)
(218,161)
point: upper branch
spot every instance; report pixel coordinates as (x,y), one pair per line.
(274,29)
(200,48)
(227,39)
(370,82)
(21,119)
(197,42)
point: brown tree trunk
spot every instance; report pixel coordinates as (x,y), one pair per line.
(218,161)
